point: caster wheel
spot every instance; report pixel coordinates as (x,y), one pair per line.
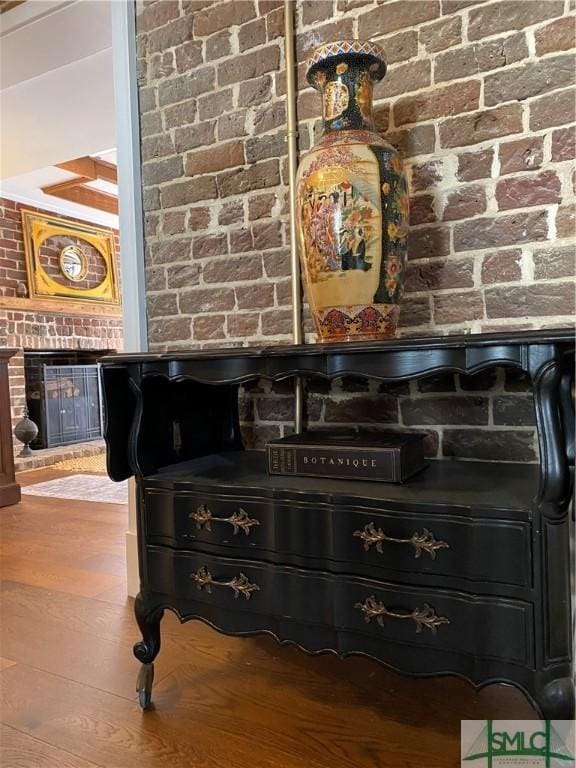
(144,685)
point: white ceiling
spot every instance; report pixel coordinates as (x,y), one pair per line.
(56,96)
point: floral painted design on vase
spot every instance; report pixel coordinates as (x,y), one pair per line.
(352,202)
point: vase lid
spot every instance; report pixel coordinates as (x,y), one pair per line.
(369,53)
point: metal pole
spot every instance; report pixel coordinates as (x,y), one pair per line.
(291,138)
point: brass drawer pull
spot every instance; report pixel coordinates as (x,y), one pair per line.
(239,520)
(240,584)
(423,617)
(422,542)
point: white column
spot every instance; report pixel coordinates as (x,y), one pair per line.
(131,219)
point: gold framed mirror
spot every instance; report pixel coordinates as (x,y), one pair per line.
(69,260)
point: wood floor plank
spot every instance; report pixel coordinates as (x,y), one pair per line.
(18,750)
(109,730)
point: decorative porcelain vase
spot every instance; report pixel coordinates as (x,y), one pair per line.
(352,202)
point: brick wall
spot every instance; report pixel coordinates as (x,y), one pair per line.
(479,98)
(40,330)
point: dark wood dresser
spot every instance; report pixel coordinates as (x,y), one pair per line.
(9,488)
(463,570)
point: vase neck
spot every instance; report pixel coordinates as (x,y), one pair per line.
(347,92)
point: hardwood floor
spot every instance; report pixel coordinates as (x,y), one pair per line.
(68,675)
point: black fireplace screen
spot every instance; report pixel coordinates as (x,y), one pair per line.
(64,401)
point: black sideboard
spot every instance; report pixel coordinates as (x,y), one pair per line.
(463,570)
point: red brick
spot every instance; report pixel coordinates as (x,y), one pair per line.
(188,56)
(539,300)
(489,445)
(259,176)
(415,141)
(249,65)
(521,155)
(170,35)
(189,191)
(231,213)
(555,109)
(440,102)
(529,80)
(233,269)
(222,16)
(208,327)
(415,311)
(422,210)
(275,24)
(455,409)
(489,232)
(316,10)
(170,329)
(306,42)
(404,78)
(502,267)
(362,410)
(232,125)
(490,19)
(215,104)
(194,136)
(523,191)
(480,57)
(441,34)
(438,275)
(218,46)
(161,305)
(252,34)
(267,235)
(565,223)
(554,262)
(259,296)
(426,175)
(475,165)
(241,241)
(428,242)
(209,245)
(401,46)
(402,14)
(216,158)
(564,144)
(277,322)
(559,35)
(242,324)
(173,222)
(481,126)
(198,218)
(464,203)
(255,92)
(260,206)
(161,171)
(201,300)
(178,115)
(458,307)
(157,14)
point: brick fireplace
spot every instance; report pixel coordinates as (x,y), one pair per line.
(30,325)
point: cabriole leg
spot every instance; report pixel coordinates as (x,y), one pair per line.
(147,649)
(556,700)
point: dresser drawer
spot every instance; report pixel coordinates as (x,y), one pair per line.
(486,627)
(365,539)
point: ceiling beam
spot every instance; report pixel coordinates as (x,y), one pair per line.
(91,167)
(82,195)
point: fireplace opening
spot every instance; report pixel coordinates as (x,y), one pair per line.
(63,396)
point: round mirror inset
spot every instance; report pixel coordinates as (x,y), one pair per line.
(73,263)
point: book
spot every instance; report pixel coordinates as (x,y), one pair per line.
(390,457)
